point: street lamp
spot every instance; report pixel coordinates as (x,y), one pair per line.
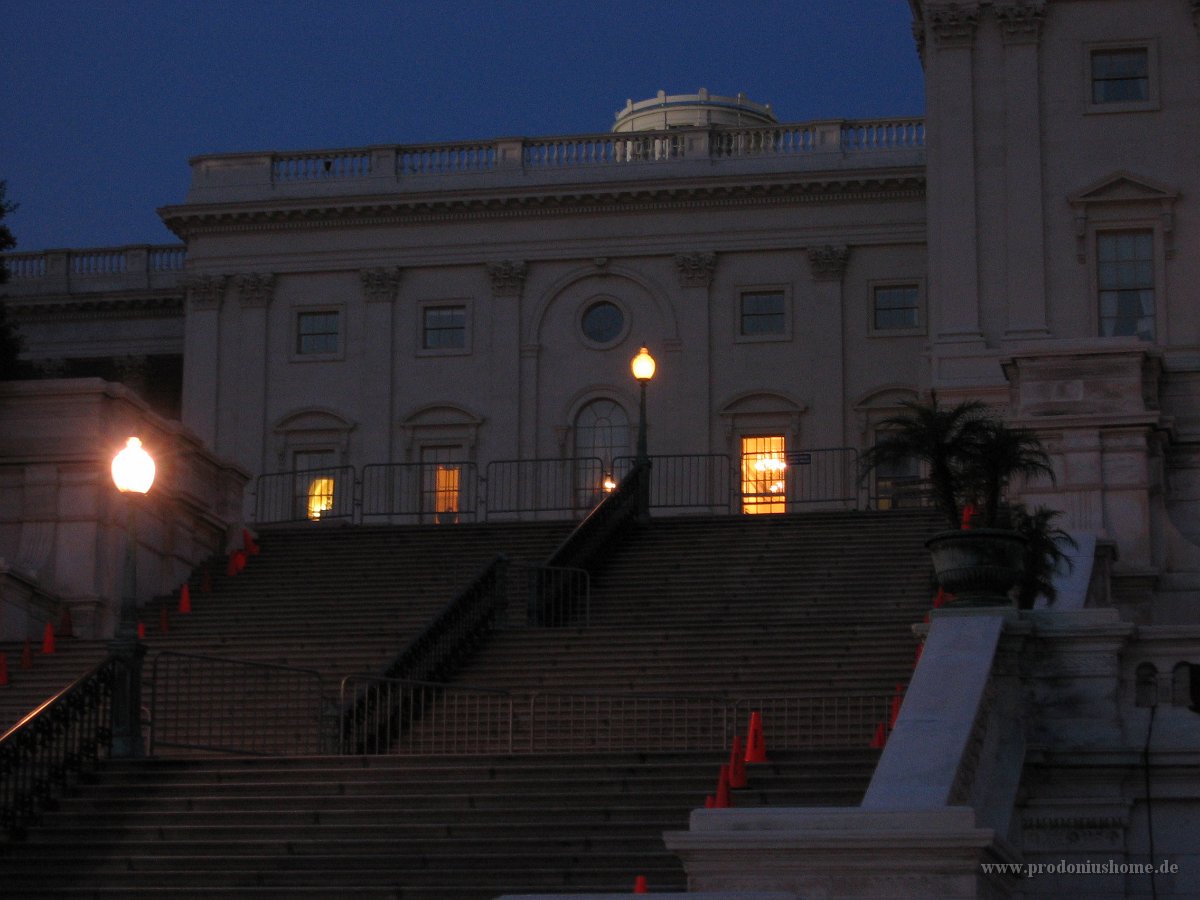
(133,472)
(643,370)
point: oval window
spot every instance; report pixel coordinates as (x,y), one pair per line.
(603,322)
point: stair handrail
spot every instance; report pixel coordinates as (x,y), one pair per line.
(588,541)
(41,753)
(443,645)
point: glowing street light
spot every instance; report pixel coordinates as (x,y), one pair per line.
(133,473)
(643,368)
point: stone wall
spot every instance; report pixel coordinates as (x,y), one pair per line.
(62,523)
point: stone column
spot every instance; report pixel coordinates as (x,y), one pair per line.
(828,265)
(953,226)
(380,287)
(1024,263)
(249,404)
(507,399)
(202,354)
(695,278)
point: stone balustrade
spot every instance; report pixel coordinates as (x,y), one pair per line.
(860,144)
(139,266)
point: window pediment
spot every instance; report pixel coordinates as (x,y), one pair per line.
(1124,199)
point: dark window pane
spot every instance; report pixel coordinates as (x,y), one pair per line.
(445,328)
(896,306)
(1120,76)
(603,322)
(763,313)
(317,332)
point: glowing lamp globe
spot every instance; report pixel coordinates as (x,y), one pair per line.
(133,468)
(643,365)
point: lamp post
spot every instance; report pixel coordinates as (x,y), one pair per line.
(133,474)
(643,370)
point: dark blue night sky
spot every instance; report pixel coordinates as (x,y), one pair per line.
(105,101)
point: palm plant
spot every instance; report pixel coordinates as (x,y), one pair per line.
(999,454)
(943,438)
(1044,543)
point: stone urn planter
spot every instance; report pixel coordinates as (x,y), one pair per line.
(978,566)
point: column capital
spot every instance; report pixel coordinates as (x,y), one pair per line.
(1020,20)
(828,263)
(204,291)
(381,285)
(695,269)
(256,289)
(953,24)
(507,277)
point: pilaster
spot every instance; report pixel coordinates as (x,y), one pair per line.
(380,289)
(695,273)
(202,354)
(825,332)
(507,400)
(255,292)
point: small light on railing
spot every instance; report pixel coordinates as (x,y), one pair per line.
(609,484)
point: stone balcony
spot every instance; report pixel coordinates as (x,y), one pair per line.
(135,268)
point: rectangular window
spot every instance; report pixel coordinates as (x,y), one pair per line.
(764,474)
(444,328)
(1121,75)
(317,333)
(896,306)
(1125,278)
(314,482)
(763,313)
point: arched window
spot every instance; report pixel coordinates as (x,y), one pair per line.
(601,433)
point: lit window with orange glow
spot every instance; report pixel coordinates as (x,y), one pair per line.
(445,496)
(320,497)
(764,475)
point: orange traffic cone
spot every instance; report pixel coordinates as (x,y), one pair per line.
(27,655)
(723,800)
(65,626)
(639,885)
(737,764)
(141,631)
(3,670)
(48,642)
(756,748)
(185,599)
(248,542)
(879,739)
(163,624)
(709,801)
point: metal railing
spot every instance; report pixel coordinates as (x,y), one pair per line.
(588,542)
(398,717)
(41,754)
(826,478)
(442,493)
(232,706)
(452,492)
(602,721)
(687,481)
(306,494)
(572,485)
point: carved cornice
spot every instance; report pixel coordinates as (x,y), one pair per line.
(381,285)
(256,290)
(828,263)
(695,269)
(204,291)
(1020,20)
(507,277)
(953,24)
(894,184)
(41,310)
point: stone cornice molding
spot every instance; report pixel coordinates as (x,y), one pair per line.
(507,277)
(828,263)
(204,291)
(256,290)
(892,184)
(41,310)
(695,269)
(381,285)
(1020,20)
(953,24)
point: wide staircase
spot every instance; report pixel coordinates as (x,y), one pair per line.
(611,727)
